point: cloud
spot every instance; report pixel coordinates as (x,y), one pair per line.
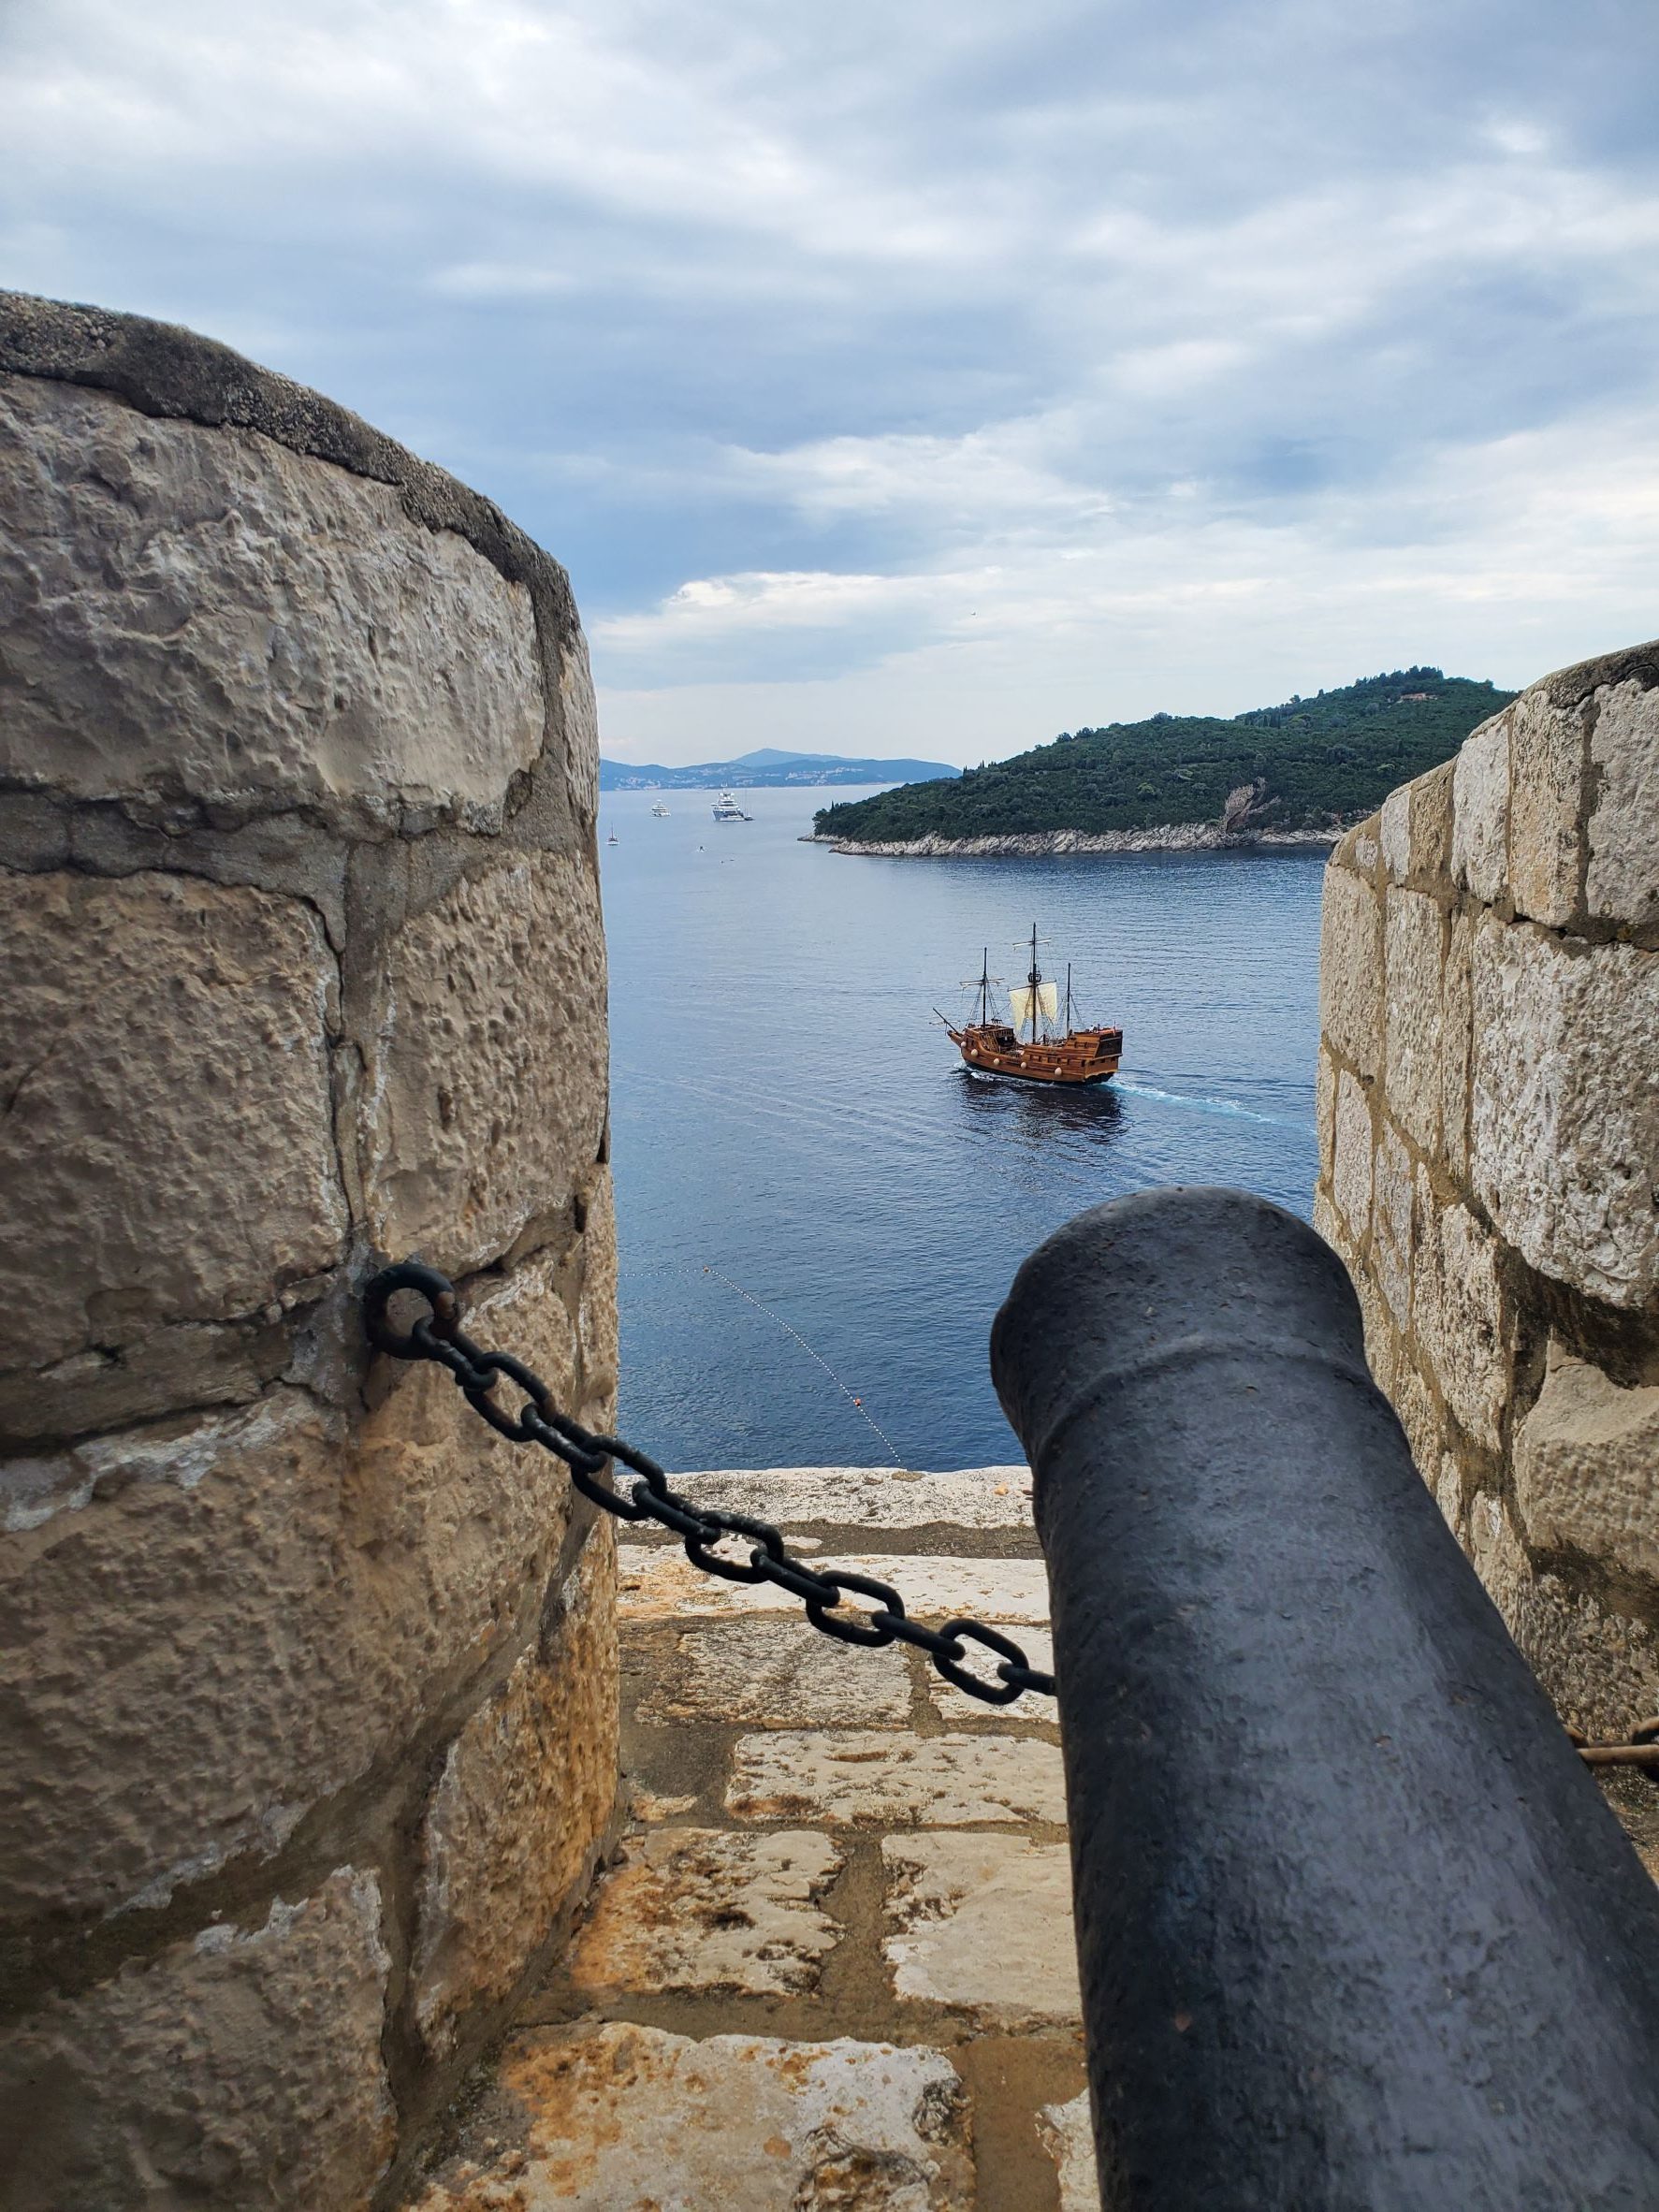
(926,367)
(1501,559)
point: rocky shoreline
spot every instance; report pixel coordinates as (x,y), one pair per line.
(1173,837)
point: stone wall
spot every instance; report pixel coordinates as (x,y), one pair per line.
(1489,1134)
(307,1685)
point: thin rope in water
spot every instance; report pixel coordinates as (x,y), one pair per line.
(857,1403)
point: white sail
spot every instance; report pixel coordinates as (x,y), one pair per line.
(1019,999)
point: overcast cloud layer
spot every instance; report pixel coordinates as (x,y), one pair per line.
(928,377)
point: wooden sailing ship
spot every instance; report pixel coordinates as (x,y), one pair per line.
(1031,1046)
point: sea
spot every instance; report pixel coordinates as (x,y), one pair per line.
(819,1208)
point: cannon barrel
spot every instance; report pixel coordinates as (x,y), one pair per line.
(1355,1926)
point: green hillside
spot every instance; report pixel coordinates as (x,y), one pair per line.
(1313,763)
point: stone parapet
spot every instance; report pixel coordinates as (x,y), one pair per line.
(1489,1156)
(308,1696)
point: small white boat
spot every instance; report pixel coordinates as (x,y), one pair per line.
(727,809)
(661,812)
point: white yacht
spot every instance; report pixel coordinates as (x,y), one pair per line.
(661,812)
(727,809)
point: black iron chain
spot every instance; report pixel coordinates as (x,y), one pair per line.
(700,1528)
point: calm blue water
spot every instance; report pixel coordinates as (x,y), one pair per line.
(793,1131)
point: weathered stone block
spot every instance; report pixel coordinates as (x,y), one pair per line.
(596,1306)
(1587,1469)
(853,1776)
(1414,1409)
(190,614)
(984,1923)
(1325,1112)
(1600,1668)
(1546,806)
(1381,1343)
(525,1797)
(243,2069)
(1481,812)
(485,1095)
(1622,877)
(1448,1494)
(1394,833)
(169,1153)
(1415,830)
(1412,1027)
(1391,1225)
(1457,1015)
(1351,969)
(703,1909)
(1564,1124)
(1458,1312)
(1350,1168)
(1358,848)
(272,1605)
(1331,1226)
(600,2118)
(180,1363)
(1429,862)
(580,727)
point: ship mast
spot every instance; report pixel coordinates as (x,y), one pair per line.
(1067,998)
(986,986)
(1034,978)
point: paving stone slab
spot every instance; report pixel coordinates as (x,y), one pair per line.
(777,1674)
(701,1909)
(658,1584)
(867,1779)
(632,2119)
(1068,2135)
(982,1922)
(870,1497)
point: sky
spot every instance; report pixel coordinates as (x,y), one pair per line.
(927,377)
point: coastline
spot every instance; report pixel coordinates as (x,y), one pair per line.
(1172,837)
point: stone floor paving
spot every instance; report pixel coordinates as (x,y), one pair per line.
(830,1964)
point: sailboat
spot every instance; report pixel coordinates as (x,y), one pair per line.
(1031,1046)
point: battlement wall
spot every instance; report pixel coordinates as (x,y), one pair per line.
(308,1690)
(1488,1158)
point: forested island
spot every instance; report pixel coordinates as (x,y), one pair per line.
(1299,772)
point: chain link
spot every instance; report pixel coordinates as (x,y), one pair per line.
(592,1458)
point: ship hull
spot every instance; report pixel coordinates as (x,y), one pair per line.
(1064,1083)
(1069,1063)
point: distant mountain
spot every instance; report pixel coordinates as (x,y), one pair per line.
(765,769)
(1310,764)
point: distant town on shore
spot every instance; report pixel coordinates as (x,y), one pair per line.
(765,769)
